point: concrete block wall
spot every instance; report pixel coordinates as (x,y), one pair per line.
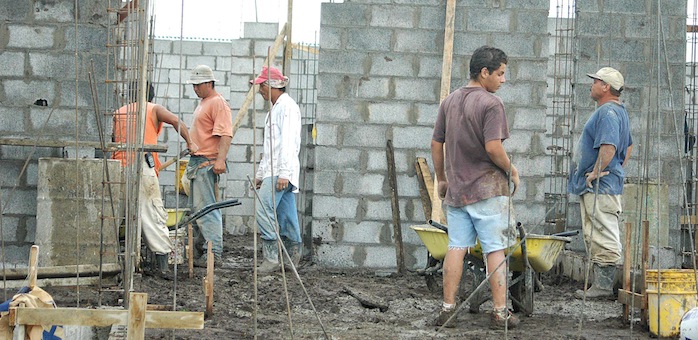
(623,34)
(44,61)
(379,79)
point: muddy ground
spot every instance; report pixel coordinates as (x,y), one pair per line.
(410,307)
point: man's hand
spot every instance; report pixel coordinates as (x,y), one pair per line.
(591,177)
(442,186)
(515,179)
(257,183)
(281,184)
(219,166)
(192,147)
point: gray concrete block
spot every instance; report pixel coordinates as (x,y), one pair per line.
(12,120)
(389,112)
(56,66)
(90,39)
(528,119)
(334,207)
(324,231)
(628,7)
(9,229)
(344,15)
(239,83)
(163,47)
(393,64)
(331,38)
(363,232)
(224,63)
(533,70)
(246,136)
(433,17)
(19,11)
(426,113)
(30,37)
(409,137)
(94,12)
(262,48)
(215,48)
(22,202)
(327,182)
(407,184)
(240,47)
(489,20)
(17,254)
(373,88)
(13,64)
(378,209)
(418,41)
(332,158)
(364,185)
(244,66)
(393,16)
(596,25)
(520,94)
(430,67)
(210,61)
(187,47)
(419,90)
(369,39)
(518,45)
(335,255)
(330,110)
(365,136)
(62,124)
(10,152)
(239,153)
(261,30)
(167,63)
(84,95)
(343,62)
(380,257)
(21,93)
(467,43)
(530,21)
(326,134)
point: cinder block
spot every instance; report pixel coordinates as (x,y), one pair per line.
(364,184)
(244,66)
(335,255)
(374,88)
(426,113)
(389,113)
(210,61)
(90,39)
(260,30)
(393,64)
(519,94)
(365,136)
(433,18)
(12,119)
(380,257)
(18,11)
(489,20)
(13,64)
(163,47)
(173,62)
(187,47)
(325,183)
(215,48)
(241,47)
(410,137)
(54,66)
(20,93)
(84,95)
(342,62)
(22,202)
(332,158)
(17,255)
(528,119)
(324,231)
(378,209)
(418,41)
(393,16)
(407,184)
(418,90)
(597,25)
(532,22)
(344,15)
(262,48)
(340,111)
(334,207)
(467,42)
(369,39)
(331,38)
(326,134)
(517,45)
(30,37)
(363,232)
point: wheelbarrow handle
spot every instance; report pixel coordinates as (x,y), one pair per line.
(438,225)
(567,233)
(208,208)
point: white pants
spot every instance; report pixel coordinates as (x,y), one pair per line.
(152,213)
(604,245)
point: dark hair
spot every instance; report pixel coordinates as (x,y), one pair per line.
(283,89)
(489,57)
(133,91)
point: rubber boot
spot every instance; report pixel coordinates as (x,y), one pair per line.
(602,288)
(294,251)
(270,254)
(163,268)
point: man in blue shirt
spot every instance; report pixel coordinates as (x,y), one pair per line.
(603,150)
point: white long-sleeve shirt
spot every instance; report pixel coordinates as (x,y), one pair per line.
(285,133)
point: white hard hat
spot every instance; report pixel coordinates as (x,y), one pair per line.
(201,74)
(689,325)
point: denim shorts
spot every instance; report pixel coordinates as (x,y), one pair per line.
(488,220)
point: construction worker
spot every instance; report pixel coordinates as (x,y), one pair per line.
(601,154)
(151,210)
(278,174)
(212,131)
(473,180)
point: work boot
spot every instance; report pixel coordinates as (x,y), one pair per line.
(202,262)
(162,267)
(602,287)
(270,254)
(444,315)
(294,251)
(503,318)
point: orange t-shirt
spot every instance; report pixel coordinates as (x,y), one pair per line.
(125,127)
(212,119)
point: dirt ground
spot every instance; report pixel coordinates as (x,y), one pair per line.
(408,313)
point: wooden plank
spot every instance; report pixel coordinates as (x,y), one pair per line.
(447,62)
(688,219)
(55,282)
(629,298)
(106,317)
(627,265)
(423,191)
(395,204)
(136,315)
(33,260)
(62,271)
(190,250)
(208,280)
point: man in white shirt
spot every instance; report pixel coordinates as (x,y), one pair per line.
(278,172)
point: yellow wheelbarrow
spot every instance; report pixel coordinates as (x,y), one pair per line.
(536,254)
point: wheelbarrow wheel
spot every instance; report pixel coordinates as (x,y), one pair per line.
(522,292)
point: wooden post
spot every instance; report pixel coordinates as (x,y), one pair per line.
(20,331)
(288,51)
(397,228)
(425,185)
(136,316)
(190,250)
(645,257)
(627,266)
(33,261)
(208,280)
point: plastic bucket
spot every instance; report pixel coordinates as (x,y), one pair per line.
(670,294)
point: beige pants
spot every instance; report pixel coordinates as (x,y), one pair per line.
(603,244)
(152,213)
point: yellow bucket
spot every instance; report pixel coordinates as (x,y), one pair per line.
(670,294)
(180,173)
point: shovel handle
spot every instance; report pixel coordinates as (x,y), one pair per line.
(438,225)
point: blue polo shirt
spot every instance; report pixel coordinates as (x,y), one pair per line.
(607,125)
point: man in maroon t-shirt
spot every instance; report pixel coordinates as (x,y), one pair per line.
(473,180)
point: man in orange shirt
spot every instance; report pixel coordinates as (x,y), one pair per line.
(212,131)
(151,210)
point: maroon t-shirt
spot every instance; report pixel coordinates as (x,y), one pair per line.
(467,119)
